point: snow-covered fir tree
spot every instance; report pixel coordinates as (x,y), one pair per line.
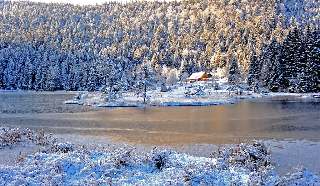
(145,80)
(58,46)
(233,74)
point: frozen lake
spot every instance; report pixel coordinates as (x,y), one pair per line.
(260,118)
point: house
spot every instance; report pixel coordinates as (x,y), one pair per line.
(199,76)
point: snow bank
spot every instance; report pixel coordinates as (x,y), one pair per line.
(120,168)
(62,164)
(244,165)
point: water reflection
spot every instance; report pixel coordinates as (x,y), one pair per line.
(260,118)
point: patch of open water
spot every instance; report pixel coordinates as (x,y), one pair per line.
(260,118)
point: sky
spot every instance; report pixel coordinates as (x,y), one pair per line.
(80,2)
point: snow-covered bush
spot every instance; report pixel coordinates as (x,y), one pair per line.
(196,90)
(10,137)
(78,96)
(300,177)
(159,159)
(62,164)
(122,158)
(63,147)
(163,87)
(252,157)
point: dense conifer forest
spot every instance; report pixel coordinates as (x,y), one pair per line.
(271,44)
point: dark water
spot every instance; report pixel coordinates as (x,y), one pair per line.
(38,102)
(259,118)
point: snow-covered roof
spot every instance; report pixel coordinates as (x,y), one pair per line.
(196,75)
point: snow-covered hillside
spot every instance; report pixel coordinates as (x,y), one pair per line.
(273,44)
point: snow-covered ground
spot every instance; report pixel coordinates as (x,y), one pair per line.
(183,94)
(180,94)
(102,162)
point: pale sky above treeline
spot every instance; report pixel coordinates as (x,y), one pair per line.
(84,2)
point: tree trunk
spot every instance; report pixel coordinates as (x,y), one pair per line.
(145,94)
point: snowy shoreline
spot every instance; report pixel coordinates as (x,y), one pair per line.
(70,159)
(176,97)
(164,99)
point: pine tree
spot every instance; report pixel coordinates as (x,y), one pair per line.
(306,82)
(290,60)
(166,33)
(313,63)
(53,79)
(111,88)
(144,81)
(173,76)
(92,79)
(270,70)
(254,72)
(233,74)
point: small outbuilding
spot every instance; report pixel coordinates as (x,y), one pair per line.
(199,76)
